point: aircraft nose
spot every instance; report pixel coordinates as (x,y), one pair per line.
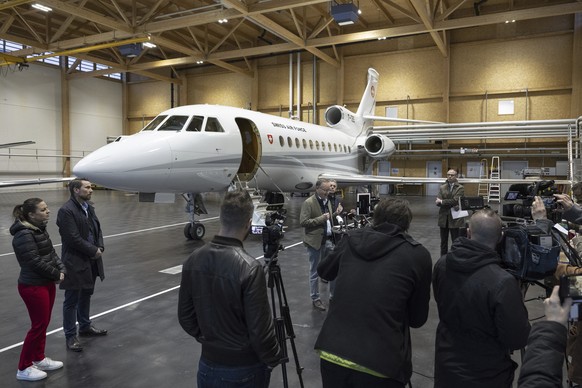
(128,164)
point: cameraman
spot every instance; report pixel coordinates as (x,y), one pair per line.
(481,310)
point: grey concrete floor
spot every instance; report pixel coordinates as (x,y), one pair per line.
(137,302)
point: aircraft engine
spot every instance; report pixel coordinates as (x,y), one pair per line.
(379,146)
(339,117)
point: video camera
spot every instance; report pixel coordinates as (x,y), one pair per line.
(273,233)
(526,193)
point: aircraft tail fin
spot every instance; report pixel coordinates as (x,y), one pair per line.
(368,102)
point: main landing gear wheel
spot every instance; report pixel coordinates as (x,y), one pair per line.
(194,231)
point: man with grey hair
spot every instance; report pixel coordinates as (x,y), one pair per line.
(223,304)
(316,218)
(481,310)
(382,289)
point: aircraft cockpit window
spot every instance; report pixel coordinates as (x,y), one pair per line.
(174,123)
(196,124)
(212,125)
(154,123)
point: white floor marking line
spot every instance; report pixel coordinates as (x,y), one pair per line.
(133,232)
(125,305)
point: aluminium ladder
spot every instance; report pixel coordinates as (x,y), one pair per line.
(483,174)
(494,188)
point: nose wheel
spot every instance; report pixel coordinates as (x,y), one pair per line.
(194,231)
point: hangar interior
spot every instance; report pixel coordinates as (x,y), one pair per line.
(80,75)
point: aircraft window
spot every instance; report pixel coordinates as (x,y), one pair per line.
(289,142)
(317,145)
(350,149)
(297,144)
(174,123)
(335,147)
(329,146)
(281,141)
(304,144)
(212,125)
(311,144)
(154,123)
(323,146)
(196,124)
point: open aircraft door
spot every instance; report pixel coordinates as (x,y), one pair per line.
(252,149)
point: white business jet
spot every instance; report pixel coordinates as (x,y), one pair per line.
(206,148)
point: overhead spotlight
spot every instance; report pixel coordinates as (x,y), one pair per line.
(199,62)
(149,45)
(131,50)
(41,7)
(222,21)
(382,38)
(345,14)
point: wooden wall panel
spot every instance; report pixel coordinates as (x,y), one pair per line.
(148,99)
(511,65)
(222,88)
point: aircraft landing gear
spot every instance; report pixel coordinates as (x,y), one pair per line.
(194,230)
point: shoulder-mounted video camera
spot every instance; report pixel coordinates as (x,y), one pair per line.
(526,192)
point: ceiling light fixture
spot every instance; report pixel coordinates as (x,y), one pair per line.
(199,62)
(221,21)
(41,7)
(149,45)
(345,14)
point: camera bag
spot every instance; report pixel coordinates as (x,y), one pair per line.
(525,259)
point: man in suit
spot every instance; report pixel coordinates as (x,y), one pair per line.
(316,219)
(447,198)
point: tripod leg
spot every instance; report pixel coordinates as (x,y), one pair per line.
(288,325)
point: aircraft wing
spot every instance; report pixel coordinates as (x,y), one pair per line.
(378,179)
(36,181)
(16,144)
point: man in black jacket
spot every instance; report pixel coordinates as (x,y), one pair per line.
(382,289)
(82,252)
(223,303)
(481,311)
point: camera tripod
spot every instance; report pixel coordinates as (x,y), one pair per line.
(283,325)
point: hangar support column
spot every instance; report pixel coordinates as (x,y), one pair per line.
(65,119)
(576,104)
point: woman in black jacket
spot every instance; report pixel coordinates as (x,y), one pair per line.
(40,269)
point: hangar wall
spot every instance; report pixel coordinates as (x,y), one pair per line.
(31,109)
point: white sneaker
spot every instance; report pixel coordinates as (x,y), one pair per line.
(48,364)
(32,373)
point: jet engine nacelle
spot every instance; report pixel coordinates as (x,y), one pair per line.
(379,146)
(339,117)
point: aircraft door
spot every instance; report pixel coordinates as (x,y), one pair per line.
(252,151)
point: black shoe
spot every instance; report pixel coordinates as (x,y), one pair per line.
(92,331)
(73,344)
